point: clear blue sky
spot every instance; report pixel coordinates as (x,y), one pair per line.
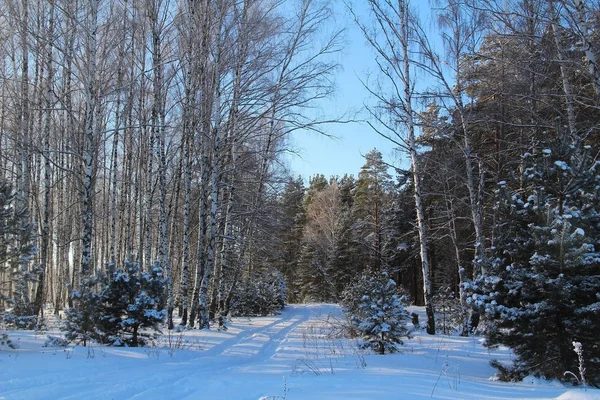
(320,154)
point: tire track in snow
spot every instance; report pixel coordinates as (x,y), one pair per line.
(249,347)
(263,343)
(176,379)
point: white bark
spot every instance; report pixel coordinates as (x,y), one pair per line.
(45,231)
(215,136)
(90,139)
(587,45)
(395,23)
(567,88)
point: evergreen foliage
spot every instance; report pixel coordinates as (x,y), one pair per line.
(376,310)
(543,289)
(448,310)
(264,294)
(82,323)
(371,202)
(133,300)
(290,229)
(115,307)
(17,248)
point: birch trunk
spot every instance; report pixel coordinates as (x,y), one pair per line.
(212,217)
(395,23)
(158,135)
(587,45)
(45,231)
(203,18)
(90,140)
(188,129)
(114,162)
(215,85)
(567,88)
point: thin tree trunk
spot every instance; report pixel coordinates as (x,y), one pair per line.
(206,103)
(411,126)
(158,133)
(567,88)
(588,47)
(45,236)
(90,141)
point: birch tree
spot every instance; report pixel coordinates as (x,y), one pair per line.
(46,211)
(461,30)
(90,137)
(392,38)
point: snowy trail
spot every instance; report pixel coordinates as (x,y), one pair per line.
(262,342)
(287,356)
(175,377)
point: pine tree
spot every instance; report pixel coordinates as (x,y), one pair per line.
(132,300)
(376,310)
(265,293)
(371,203)
(542,293)
(82,320)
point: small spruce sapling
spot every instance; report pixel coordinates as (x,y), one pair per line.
(376,310)
(133,300)
(82,320)
(17,248)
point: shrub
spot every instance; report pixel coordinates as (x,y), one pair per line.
(376,310)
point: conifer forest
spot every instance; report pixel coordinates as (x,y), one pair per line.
(144,181)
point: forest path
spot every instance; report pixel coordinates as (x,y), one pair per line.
(249,346)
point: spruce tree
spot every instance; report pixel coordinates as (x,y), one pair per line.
(17,247)
(542,293)
(114,308)
(291,226)
(132,301)
(82,321)
(376,310)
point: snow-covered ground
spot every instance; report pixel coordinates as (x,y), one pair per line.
(291,356)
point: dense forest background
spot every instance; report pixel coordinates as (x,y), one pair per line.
(154,132)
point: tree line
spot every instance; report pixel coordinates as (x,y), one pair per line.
(497,108)
(152,132)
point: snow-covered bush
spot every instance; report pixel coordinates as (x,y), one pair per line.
(114,308)
(5,341)
(263,294)
(132,300)
(377,312)
(55,341)
(449,313)
(82,320)
(541,292)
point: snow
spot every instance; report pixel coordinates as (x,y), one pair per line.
(292,356)
(579,395)
(562,165)
(579,232)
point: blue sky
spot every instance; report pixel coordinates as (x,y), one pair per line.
(344,154)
